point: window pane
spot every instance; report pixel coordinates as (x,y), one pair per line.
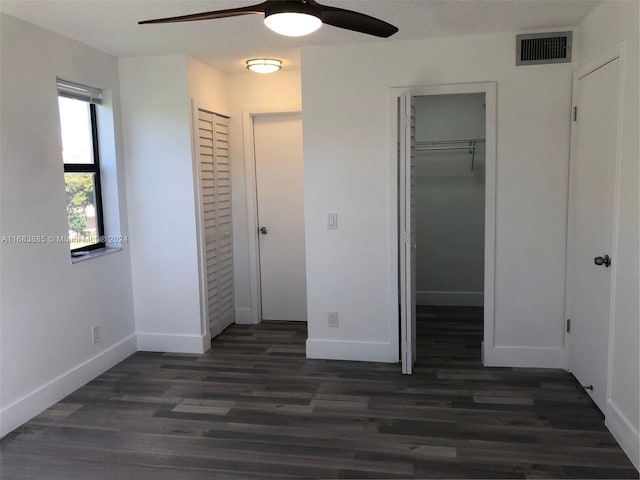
(81,209)
(75,125)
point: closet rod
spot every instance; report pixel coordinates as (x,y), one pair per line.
(420,149)
(469,144)
(468,141)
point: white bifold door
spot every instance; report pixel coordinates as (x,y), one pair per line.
(407,231)
(590,263)
(214,171)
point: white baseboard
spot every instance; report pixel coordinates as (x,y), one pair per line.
(358,351)
(533,357)
(624,432)
(454,299)
(27,407)
(244,316)
(169,343)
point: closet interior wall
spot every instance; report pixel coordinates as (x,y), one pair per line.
(450,199)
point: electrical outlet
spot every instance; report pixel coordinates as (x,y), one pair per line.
(332,319)
(95,334)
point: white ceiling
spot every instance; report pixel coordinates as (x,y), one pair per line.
(111,25)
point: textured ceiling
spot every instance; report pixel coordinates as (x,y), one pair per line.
(111,25)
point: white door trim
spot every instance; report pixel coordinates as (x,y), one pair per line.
(205,331)
(248,114)
(490,91)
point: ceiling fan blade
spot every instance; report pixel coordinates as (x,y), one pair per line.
(231,12)
(359,22)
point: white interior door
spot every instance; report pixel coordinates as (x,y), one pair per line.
(593,196)
(280,198)
(407,233)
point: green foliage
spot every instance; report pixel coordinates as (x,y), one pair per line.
(79,188)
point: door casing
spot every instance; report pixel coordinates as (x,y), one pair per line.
(489,89)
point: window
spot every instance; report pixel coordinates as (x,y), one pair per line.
(80,156)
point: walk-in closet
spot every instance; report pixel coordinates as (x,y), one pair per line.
(447,191)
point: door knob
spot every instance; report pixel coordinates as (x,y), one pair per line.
(263,230)
(606,261)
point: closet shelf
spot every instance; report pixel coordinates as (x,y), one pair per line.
(439,145)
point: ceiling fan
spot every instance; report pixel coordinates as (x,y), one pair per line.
(295,18)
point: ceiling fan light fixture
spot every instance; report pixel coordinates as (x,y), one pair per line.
(264,65)
(295,18)
(292,24)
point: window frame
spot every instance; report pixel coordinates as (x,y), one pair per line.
(91,168)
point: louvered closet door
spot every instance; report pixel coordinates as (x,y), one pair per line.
(407,243)
(215,195)
(412,220)
(225,230)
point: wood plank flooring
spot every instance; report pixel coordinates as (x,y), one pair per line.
(254,408)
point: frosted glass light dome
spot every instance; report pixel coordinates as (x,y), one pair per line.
(264,65)
(292,24)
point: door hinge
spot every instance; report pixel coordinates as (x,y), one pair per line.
(568,325)
(405,121)
(575,113)
(405,237)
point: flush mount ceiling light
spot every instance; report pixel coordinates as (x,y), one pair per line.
(264,65)
(295,18)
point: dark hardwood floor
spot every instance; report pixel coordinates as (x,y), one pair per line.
(254,407)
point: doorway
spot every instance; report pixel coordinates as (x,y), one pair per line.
(446,221)
(280,274)
(449,203)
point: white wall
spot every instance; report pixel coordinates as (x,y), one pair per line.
(450,202)
(252,92)
(156,93)
(348,170)
(599,34)
(48,304)
(207,87)
(157,119)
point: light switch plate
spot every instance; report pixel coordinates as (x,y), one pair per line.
(332,221)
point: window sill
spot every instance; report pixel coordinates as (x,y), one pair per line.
(95,253)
